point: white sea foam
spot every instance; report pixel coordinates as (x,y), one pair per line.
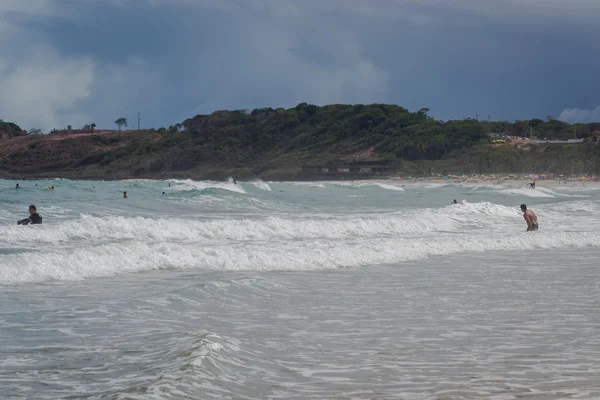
(390,187)
(117,258)
(188,184)
(455,217)
(120,244)
(527,192)
(261,185)
(386,186)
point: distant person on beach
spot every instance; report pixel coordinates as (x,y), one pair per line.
(34,217)
(124,195)
(530,217)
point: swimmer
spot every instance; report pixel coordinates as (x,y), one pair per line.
(34,217)
(530,217)
(17,187)
(124,195)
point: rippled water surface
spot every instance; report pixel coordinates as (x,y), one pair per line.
(294,291)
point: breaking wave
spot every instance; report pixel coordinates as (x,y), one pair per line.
(96,247)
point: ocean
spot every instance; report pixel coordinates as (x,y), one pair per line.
(267,290)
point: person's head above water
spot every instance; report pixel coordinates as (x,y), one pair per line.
(523,207)
(32,209)
(455,201)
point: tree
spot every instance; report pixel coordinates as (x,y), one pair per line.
(121,122)
(92,127)
(35,131)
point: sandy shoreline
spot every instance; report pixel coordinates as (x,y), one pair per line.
(504,183)
(511,183)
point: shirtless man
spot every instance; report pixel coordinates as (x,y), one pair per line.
(530,217)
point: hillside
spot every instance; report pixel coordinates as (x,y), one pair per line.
(277,143)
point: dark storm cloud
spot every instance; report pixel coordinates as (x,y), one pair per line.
(74,62)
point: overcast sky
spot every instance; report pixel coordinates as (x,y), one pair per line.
(81,61)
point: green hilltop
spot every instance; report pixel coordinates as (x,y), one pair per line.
(277,143)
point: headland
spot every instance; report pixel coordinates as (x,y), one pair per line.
(307,142)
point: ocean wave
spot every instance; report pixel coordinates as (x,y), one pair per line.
(455,217)
(134,257)
(390,187)
(261,185)
(309,184)
(537,193)
(190,185)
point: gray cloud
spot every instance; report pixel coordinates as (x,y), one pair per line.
(44,90)
(172,58)
(574,115)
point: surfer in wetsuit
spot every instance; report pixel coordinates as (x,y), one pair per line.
(17,187)
(34,217)
(530,217)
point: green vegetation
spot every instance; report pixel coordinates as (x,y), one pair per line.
(330,131)
(276,143)
(10,129)
(121,122)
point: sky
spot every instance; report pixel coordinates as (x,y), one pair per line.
(76,62)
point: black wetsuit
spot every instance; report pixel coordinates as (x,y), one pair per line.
(33,219)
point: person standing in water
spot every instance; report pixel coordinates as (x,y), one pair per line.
(34,217)
(530,217)
(124,195)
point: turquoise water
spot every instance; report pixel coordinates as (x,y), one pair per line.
(297,290)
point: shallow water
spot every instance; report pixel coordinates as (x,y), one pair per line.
(269,290)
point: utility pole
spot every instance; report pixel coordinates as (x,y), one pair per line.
(530,129)
(139,120)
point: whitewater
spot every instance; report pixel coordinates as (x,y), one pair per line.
(292,290)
